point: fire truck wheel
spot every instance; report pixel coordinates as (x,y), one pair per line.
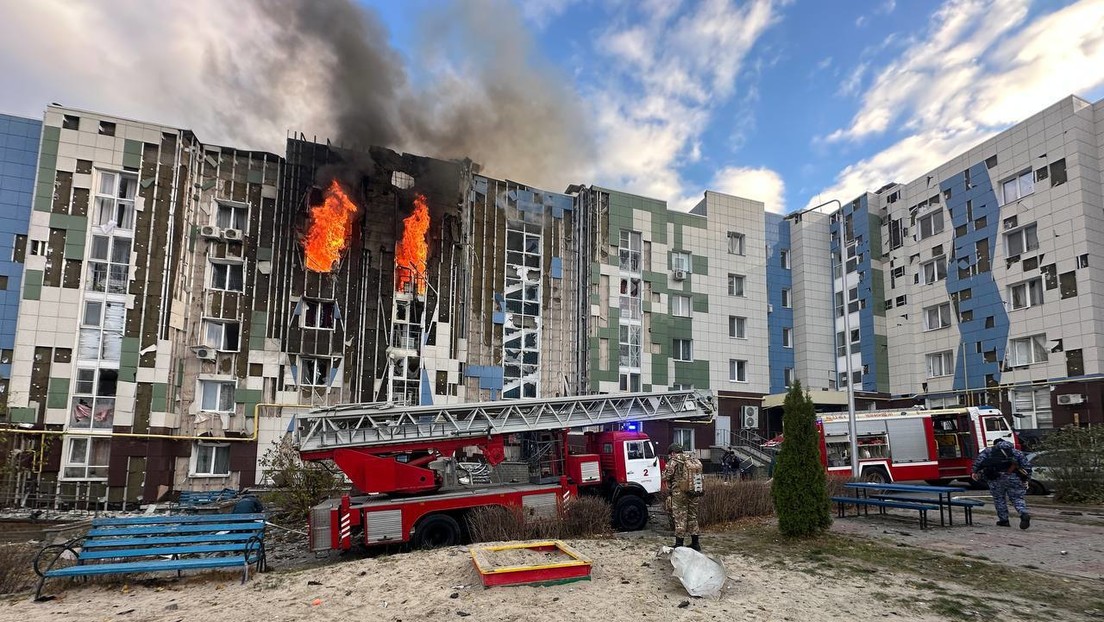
(436,530)
(630,513)
(876,475)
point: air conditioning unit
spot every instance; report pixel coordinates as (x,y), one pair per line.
(210,232)
(232,234)
(205,354)
(679,275)
(1071,399)
(750,416)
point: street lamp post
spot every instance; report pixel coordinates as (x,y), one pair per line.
(852,425)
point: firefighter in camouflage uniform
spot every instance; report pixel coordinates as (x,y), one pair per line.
(1007,471)
(683,477)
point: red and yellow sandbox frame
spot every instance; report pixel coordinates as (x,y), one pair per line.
(576,566)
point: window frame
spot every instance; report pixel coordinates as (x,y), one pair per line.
(682,350)
(1033,295)
(682,260)
(1022,233)
(319,305)
(311,363)
(109,199)
(784,258)
(1035,348)
(945,359)
(930,218)
(787,298)
(238,215)
(225,286)
(733,280)
(215,450)
(737,327)
(787,337)
(737,370)
(681,305)
(91,444)
(938,270)
(1018,181)
(220,397)
(942,320)
(737,243)
(221,346)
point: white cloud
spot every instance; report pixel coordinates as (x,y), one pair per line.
(759,184)
(540,12)
(668,72)
(979,69)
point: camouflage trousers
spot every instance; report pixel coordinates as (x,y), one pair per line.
(1005,488)
(684,513)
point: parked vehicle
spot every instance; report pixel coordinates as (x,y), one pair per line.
(1048,467)
(418,471)
(937,446)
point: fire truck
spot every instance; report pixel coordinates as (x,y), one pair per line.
(914,444)
(417,471)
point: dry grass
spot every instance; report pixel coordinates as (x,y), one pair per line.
(729,500)
(585,517)
(16,570)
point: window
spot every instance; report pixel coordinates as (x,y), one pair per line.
(684,437)
(630,382)
(787,337)
(70,122)
(86,458)
(736,285)
(940,364)
(228,277)
(210,459)
(680,306)
(101,332)
(231,215)
(1031,408)
(786,299)
(1022,240)
(216,395)
(1018,187)
(680,261)
(682,350)
(1067,285)
(93,406)
(737,327)
(114,207)
(40,248)
(317,313)
(221,335)
(931,224)
(735,243)
(784,256)
(315,371)
(788,376)
(629,342)
(109,264)
(938,316)
(1027,350)
(1026,294)
(934,270)
(631,300)
(629,250)
(737,370)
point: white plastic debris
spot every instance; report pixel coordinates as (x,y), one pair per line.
(700,574)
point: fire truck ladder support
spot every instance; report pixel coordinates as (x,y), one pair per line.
(379,424)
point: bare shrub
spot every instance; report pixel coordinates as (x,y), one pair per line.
(726,501)
(584,517)
(300,485)
(16,569)
(835,485)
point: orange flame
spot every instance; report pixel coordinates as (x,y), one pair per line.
(411,251)
(330,229)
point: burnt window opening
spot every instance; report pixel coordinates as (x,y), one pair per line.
(1075,363)
(1058,173)
(107,128)
(1050,275)
(1040,174)
(1031,263)
(84,167)
(70,122)
(401,180)
(319,314)
(991,161)
(1067,285)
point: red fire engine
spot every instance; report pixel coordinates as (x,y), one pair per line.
(914,444)
(414,479)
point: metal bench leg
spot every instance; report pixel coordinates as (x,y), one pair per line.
(38,590)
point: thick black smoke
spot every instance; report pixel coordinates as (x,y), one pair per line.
(495,103)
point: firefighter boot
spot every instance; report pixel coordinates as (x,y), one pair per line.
(694,544)
(679,542)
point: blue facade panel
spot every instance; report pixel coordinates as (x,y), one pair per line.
(19,140)
(983,336)
(780,318)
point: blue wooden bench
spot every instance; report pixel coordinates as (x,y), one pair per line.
(967,505)
(157,544)
(193,499)
(882,505)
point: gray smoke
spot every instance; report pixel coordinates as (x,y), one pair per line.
(496,104)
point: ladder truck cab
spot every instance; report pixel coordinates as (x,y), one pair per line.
(417,471)
(937,446)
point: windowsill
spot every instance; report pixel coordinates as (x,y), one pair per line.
(316,327)
(930,330)
(207,476)
(738,381)
(82,479)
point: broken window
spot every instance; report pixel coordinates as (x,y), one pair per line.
(109,264)
(227,276)
(107,128)
(1023,240)
(221,335)
(991,161)
(101,332)
(896,234)
(735,243)
(1026,294)
(70,122)
(1058,173)
(403,181)
(1031,263)
(1075,363)
(1067,285)
(1027,350)
(315,371)
(216,395)
(1083,261)
(115,201)
(322,313)
(981,250)
(931,224)
(93,406)
(1018,187)
(231,215)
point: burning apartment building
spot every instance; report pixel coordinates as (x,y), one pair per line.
(182,301)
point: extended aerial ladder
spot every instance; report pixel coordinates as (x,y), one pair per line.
(385,448)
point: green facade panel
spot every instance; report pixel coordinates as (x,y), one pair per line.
(160,396)
(659,369)
(57,393)
(32,285)
(22,414)
(877,291)
(701,303)
(699,264)
(257,330)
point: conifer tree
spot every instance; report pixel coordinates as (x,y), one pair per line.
(799,488)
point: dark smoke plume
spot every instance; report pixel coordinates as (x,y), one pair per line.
(496,104)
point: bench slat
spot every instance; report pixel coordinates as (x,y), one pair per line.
(168,530)
(150,566)
(176,520)
(97,543)
(888,504)
(962,503)
(164,550)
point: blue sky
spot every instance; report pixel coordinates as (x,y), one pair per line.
(791,102)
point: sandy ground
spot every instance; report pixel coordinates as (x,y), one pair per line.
(629,582)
